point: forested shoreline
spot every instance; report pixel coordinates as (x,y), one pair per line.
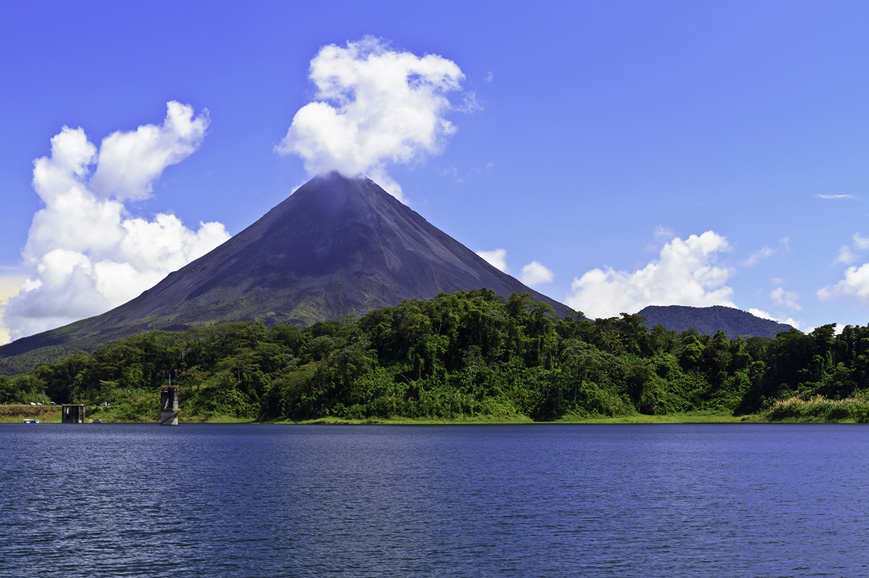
(467,355)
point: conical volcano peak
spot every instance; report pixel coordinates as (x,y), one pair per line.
(358,182)
(337,246)
(335,180)
(336,185)
(336,177)
(331,193)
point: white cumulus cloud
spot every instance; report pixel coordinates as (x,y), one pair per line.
(536,273)
(374,107)
(129,162)
(850,254)
(685,273)
(854,286)
(10,283)
(764,315)
(85,252)
(497,258)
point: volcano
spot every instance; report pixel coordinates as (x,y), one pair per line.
(335,247)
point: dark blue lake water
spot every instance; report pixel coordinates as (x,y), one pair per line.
(257,500)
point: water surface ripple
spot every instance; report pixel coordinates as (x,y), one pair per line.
(260,500)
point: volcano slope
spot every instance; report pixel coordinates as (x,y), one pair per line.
(335,247)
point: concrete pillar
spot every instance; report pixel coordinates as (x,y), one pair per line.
(169,406)
(72,413)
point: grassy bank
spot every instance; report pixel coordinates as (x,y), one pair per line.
(119,413)
(816,409)
(106,414)
(18,413)
(687,417)
(461,420)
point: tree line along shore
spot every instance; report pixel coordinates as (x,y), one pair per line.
(470,356)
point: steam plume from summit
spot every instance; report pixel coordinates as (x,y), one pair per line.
(374,107)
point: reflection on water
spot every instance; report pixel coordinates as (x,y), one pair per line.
(251,500)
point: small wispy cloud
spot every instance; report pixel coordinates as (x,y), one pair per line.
(785,298)
(854,286)
(536,273)
(835,197)
(850,254)
(660,237)
(452,173)
(497,258)
(855,282)
(764,315)
(766,252)
(846,256)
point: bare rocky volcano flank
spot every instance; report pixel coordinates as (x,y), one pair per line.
(336,246)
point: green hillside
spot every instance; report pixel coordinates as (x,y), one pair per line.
(709,320)
(470,355)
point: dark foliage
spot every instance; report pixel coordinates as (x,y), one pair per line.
(465,354)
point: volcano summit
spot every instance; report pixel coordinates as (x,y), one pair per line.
(335,247)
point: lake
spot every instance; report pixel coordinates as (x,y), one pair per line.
(526,500)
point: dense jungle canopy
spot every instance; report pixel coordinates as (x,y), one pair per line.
(463,355)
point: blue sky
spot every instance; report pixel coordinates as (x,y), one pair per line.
(666,152)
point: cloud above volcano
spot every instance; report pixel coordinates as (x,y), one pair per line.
(374,107)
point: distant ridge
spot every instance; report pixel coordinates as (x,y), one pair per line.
(708,320)
(335,247)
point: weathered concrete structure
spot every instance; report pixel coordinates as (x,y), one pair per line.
(169,406)
(72,413)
